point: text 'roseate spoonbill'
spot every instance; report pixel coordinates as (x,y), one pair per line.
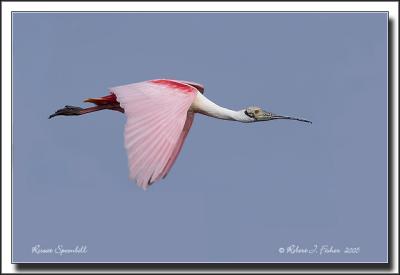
(159,116)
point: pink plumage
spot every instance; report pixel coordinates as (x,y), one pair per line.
(158,121)
(159,115)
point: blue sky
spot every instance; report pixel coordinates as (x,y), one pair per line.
(238,192)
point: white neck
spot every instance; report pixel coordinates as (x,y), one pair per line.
(203,105)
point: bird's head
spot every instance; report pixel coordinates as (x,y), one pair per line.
(257,114)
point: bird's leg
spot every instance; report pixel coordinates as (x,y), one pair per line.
(76,111)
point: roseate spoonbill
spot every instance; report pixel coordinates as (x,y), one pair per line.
(159,115)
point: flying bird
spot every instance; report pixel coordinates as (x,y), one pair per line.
(159,115)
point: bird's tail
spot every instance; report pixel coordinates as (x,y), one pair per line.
(108,99)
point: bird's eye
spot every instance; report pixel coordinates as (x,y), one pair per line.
(249,114)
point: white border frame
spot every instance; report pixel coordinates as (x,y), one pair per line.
(9,7)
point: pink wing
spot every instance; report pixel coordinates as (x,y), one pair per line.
(157,124)
(179,144)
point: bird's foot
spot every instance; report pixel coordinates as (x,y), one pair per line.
(68,111)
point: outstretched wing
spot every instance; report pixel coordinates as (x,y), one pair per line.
(157,124)
(179,144)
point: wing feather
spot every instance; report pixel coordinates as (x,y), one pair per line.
(164,158)
(149,126)
(154,128)
(150,164)
(157,125)
(178,147)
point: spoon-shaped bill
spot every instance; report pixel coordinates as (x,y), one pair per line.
(291,118)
